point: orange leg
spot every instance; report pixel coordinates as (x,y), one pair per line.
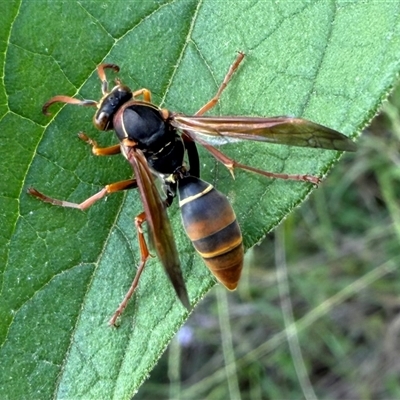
(227,161)
(144,256)
(210,104)
(112,188)
(143,92)
(139,220)
(192,151)
(100,151)
(231,164)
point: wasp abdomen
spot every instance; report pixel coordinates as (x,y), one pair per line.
(210,223)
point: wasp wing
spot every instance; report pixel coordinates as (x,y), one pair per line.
(158,223)
(281,130)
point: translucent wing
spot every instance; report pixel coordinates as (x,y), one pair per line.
(158,223)
(281,130)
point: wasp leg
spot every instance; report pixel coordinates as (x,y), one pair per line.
(193,155)
(231,164)
(143,92)
(100,151)
(111,188)
(144,256)
(210,104)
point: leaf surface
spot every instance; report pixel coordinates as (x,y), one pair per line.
(64,272)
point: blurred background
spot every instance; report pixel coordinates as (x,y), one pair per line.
(317,312)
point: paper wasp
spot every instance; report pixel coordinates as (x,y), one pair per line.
(155,141)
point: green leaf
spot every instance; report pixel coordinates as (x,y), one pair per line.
(64,272)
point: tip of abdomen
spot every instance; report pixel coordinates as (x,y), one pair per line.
(227,268)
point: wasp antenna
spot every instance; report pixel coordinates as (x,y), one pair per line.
(102,75)
(104,87)
(67,100)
